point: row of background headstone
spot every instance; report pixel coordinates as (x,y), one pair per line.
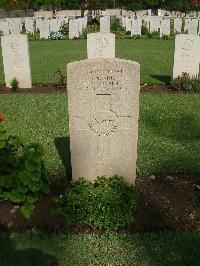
(99,45)
(133,25)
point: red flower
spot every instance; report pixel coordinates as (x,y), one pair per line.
(2,118)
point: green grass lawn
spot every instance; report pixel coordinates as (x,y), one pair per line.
(163,249)
(155,57)
(169,129)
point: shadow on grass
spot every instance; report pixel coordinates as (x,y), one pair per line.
(165,79)
(169,248)
(177,147)
(63,147)
(10,256)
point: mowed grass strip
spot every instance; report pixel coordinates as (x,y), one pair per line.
(155,57)
(100,249)
(169,129)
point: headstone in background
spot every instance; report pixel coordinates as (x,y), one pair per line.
(136,27)
(16,63)
(15,25)
(177,25)
(155,24)
(53,24)
(193,26)
(105,24)
(124,22)
(186,25)
(44,29)
(165,27)
(29,25)
(73,29)
(103,98)
(4,27)
(101,45)
(186,55)
(128,24)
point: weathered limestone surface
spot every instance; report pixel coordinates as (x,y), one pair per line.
(29,25)
(165,27)
(103,98)
(44,28)
(16,63)
(73,29)
(193,26)
(101,45)
(177,25)
(136,27)
(105,24)
(186,55)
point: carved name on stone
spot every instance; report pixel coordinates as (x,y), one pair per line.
(16,63)
(103,97)
(186,55)
(101,45)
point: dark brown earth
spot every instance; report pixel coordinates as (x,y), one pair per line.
(46,89)
(166,203)
(170,202)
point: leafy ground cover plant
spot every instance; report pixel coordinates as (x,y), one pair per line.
(14,84)
(64,30)
(91,28)
(186,83)
(117,29)
(56,36)
(22,178)
(109,203)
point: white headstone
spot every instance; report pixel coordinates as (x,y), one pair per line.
(54,27)
(4,27)
(73,29)
(136,27)
(44,29)
(165,27)
(186,55)
(128,24)
(105,24)
(155,24)
(177,25)
(124,22)
(186,25)
(15,25)
(103,98)
(193,26)
(101,45)
(16,63)
(29,25)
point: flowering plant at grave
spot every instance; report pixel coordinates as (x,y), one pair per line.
(185,82)
(2,118)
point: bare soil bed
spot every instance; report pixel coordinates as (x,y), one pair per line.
(48,89)
(166,203)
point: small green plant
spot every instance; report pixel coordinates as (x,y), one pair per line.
(108,203)
(117,29)
(165,37)
(14,84)
(91,28)
(64,30)
(33,36)
(186,83)
(22,178)
(61,79)
(144,30)
(153,35)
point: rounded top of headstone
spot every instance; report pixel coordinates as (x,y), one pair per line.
(103,61)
